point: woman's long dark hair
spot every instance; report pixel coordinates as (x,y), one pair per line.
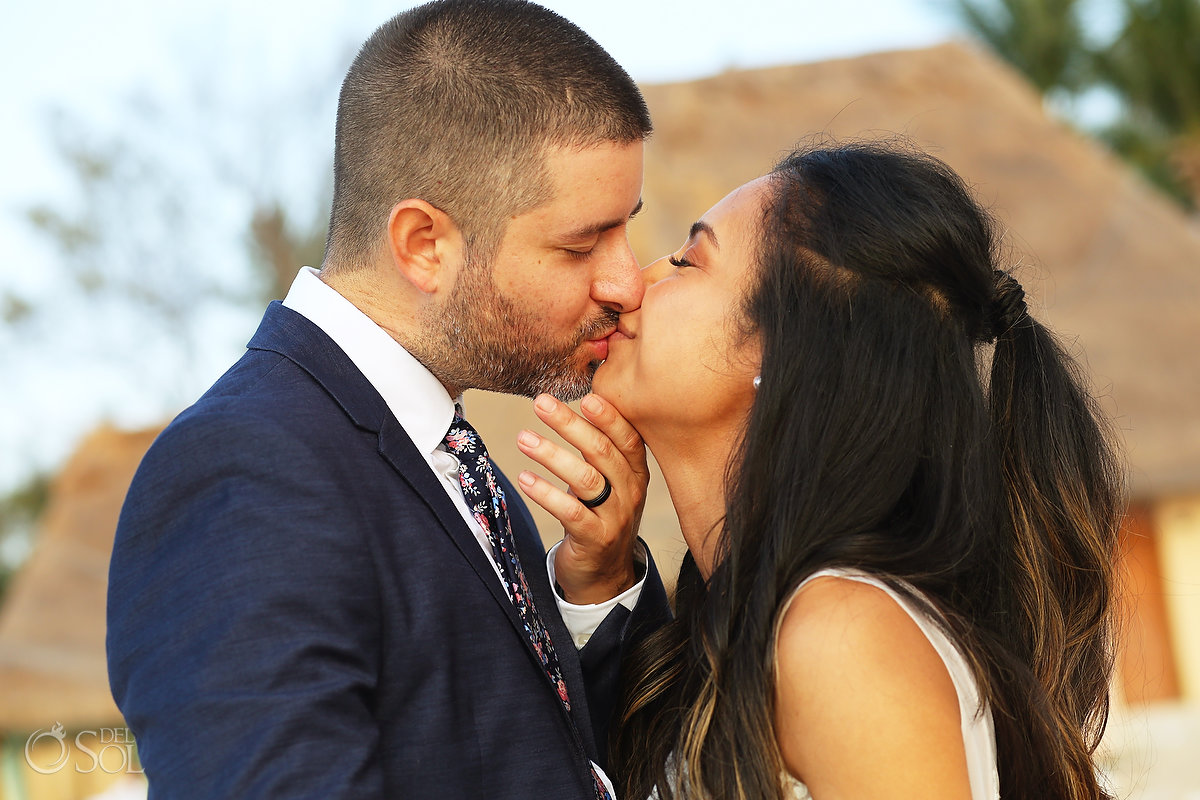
(879,441)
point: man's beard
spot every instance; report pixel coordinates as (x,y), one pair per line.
(482,340)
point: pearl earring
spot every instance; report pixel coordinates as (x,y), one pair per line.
(757,381)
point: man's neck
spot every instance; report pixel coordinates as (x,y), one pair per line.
(389,301)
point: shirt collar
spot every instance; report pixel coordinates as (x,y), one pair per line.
(415,397)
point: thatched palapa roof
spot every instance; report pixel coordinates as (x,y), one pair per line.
(52,622)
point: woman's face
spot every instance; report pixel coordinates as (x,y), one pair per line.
(682,358)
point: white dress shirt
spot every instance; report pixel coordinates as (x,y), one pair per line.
(425,410)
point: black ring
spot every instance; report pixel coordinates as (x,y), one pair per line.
(600,498)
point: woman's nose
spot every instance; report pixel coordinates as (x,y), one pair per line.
(654,272)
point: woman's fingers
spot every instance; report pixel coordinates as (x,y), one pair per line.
(595,561)
(584,480)
(617,429)
(608,442)
(560,505)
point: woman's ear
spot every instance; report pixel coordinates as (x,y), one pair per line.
(425,244)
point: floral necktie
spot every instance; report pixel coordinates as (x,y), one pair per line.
(486,501)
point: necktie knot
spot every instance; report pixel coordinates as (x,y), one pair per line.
(462,437)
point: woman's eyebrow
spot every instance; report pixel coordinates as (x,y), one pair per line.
(702,226)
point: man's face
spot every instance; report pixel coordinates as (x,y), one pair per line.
(537,318)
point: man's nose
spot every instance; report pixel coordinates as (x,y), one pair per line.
(620,286)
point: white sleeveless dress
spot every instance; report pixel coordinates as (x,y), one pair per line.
(979,736)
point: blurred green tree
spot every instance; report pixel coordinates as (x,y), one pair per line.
(1154,66)
(1042,38)
(1150,64)
(169,221)
(188,210)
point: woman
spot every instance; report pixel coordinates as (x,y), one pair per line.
(900,557)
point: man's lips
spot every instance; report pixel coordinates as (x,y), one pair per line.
(599,346)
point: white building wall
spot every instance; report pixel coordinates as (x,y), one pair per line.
(1178,523)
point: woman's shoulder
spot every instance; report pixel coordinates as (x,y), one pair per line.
(854,664)
(841,619)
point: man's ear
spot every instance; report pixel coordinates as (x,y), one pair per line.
(425,244)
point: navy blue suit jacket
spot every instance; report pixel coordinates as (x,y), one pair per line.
(297,609)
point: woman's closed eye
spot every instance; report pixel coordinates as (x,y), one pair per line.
(680,261)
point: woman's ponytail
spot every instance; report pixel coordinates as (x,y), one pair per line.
(1064,494)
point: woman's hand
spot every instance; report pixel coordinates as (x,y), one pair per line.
(594,562)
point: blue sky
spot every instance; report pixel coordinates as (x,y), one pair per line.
(90,57)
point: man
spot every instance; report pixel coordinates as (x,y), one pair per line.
(320,586)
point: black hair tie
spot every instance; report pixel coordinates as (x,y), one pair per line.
(1008,304)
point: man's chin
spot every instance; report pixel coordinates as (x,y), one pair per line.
(572,387)
(569,393)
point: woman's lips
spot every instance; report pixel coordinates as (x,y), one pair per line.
(601,346)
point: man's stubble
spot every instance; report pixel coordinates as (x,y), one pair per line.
(483,340)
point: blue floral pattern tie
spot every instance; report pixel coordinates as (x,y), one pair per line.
(485,499)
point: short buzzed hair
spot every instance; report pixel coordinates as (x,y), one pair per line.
(455,102)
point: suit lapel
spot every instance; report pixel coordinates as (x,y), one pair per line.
(399,451)
(295,337)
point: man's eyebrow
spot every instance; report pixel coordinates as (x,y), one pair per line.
(701,226)
(588,231)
